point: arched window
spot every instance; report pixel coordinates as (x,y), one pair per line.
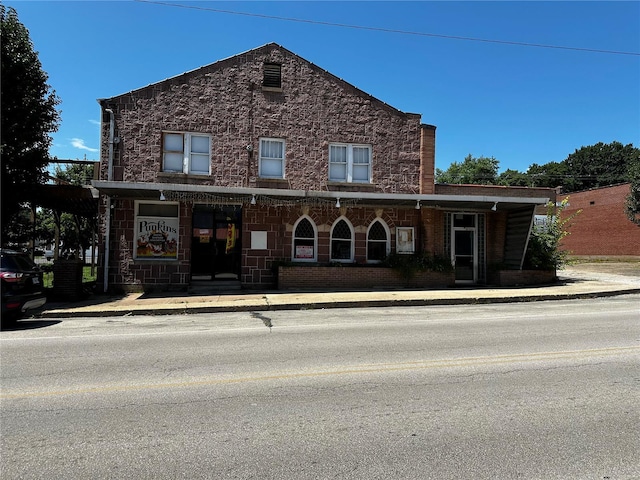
(378,241)
(342,241)
(305,240)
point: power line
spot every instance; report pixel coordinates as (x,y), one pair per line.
(388,30)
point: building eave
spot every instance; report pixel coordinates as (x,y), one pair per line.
(240,195)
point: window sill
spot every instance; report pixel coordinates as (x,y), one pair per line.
(155,260)
(349,186)
(272,89)
(280,183)
(180,177)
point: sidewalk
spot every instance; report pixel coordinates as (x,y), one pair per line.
(573,283)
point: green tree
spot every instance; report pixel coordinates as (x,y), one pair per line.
(632,204)
(513,178)
(551,175)
(28,117)
(544,251)
(476,171)
(599,165)
(75,174)
(76,232)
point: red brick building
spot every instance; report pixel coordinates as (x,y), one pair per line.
(264,158)
(602,228)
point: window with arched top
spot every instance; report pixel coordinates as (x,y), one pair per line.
(305,240)
(342,241)
(378,241)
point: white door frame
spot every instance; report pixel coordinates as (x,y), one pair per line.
(474,255)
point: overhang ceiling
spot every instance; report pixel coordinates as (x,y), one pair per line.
(245,195)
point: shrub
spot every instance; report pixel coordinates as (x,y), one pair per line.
(408,265)
(543,251)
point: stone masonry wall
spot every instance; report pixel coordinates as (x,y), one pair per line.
(226,100)
(128,274)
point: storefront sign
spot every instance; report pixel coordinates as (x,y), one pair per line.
(157,238)
(304,251)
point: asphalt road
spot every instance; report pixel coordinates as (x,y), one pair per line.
(535,390)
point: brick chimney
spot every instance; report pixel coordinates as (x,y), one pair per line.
(427,158)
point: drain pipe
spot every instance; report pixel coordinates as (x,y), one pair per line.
(108,212)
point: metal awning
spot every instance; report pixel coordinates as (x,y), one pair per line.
(78,200)
(274,196)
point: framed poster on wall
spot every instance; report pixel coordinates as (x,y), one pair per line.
(156,231)
(405,240)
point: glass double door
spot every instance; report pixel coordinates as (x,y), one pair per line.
(216,242)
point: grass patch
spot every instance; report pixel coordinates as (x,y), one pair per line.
(47,277)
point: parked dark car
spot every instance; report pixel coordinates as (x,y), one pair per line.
(22,287)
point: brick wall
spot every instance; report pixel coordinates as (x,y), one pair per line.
(602,228)
(226,101)
(495,190)
(512,278)
(350,278)
(257,269)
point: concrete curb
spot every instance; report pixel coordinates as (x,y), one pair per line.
(265,305)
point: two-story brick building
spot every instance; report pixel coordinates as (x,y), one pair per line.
(225,171)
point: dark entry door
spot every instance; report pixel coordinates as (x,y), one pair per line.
(464,251)
(464,256)
(215,243)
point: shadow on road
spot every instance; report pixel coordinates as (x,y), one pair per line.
(27,324)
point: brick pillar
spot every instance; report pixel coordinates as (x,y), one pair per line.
(427,158)
(428,222)
(67,279)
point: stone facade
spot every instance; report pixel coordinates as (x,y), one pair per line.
(226,100)
(311,109)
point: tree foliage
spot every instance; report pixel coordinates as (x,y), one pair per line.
(598,165)
(544,250)
(513,178)
(75,174)
(29,115)
(588,167)
(76,233)
(550,175)
(632,204)
(476,171)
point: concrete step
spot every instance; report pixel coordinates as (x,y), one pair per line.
(212,287)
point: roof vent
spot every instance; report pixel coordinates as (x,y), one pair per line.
(272,76)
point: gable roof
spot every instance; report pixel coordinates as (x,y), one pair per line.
(245,57)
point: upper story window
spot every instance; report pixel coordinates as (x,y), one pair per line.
(350,163)
(378,241)
(186,153)
(272,79)
(342,241)
(271,158)
(305,240)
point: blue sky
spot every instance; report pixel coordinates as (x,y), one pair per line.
(519,104)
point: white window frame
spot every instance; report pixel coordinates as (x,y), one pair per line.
(353,241)
(315,240)
(387,241)
(349,164)
(187,154)
(261,158)
(405,240)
